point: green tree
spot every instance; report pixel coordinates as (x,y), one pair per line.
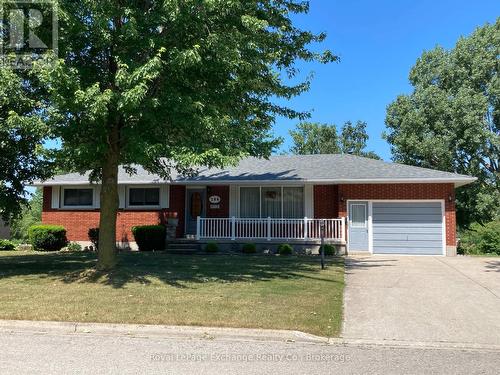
(315,138)
(170,84)
(451,120)
(31,214)
(22,131)
(354,140)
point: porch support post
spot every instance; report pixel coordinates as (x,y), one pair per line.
(198,228)
(268,228)
(343,230)
(306,230)
(233,228)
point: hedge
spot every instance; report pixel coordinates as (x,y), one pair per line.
(285,249)
(211,247)
(6,245)
(481,239)
(149,237)
(47,237)
(249,248)
(329,249)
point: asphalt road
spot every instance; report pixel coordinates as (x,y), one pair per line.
(79,353)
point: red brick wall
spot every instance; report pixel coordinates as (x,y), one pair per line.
(78,222)
(325,201)
(404,191)
(223,193)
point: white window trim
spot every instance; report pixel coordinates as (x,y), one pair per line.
(158,206)
(62,206)
(260,197)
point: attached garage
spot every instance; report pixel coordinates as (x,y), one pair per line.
(413,228)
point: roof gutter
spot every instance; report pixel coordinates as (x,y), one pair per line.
(456,181)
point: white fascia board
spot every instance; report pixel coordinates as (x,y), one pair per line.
(457,181)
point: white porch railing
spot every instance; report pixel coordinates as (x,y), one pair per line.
(269,229)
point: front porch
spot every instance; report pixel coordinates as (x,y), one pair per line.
(271,229)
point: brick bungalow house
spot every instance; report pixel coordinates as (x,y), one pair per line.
(368,205)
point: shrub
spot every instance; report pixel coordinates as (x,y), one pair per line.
(6,245)
(249,248)
(481,239)
(94,236)
(74,246)
(47,237)
(149,237)
(285,249)
(211,247)
(329,250)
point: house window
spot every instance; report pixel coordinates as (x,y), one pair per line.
(358,215)
(250,202)
(78,197)
(293,202)
(274,202)
(144,197)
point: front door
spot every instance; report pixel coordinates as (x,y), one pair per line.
(195,206)
(358,226)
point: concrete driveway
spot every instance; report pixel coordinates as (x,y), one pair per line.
(423,299)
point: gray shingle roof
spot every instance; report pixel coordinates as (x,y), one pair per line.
(333,168)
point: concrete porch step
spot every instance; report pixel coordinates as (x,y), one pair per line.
(183,247)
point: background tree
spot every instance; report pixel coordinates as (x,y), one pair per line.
(315,138)
(31,214)
(170,85)
(22,158)
(451,120)
(354,140)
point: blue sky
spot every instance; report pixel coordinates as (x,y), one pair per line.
(378,42)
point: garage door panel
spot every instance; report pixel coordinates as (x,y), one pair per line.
(407,237)
(398,210)
(407,228)
(406,251)
(410,219)
(403,244)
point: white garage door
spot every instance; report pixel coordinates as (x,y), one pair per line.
(407,228)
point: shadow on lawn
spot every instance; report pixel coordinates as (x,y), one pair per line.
(174,270)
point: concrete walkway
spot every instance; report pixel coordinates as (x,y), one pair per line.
(423,299)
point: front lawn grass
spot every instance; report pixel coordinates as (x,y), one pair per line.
(272,292)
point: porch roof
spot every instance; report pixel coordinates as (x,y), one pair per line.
(292,169)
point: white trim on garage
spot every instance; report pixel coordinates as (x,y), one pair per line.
(370,219)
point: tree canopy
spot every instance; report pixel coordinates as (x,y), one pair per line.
(171,84)
(316,138)
(451,120)
(22,130)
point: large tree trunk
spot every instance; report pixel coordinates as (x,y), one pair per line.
(109,204)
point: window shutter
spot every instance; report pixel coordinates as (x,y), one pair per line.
(121,193)
(164,196)
(55,196)
(97,197)
(309,201)
(234,200)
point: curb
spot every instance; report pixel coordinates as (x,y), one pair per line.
(443,345)
(143,330)
(224,334)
